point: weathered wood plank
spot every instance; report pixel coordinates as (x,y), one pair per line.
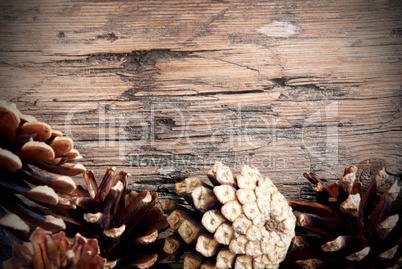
(164,88)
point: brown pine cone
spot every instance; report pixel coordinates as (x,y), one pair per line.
(244,222)
(126,224)
(47,250)
(353,232)
(36,162)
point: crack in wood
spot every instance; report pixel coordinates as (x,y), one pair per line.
(202,30)
(240,65)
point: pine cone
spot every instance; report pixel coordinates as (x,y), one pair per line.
(353,231)
(126,224)
(31,153)
(47,250)
(244,222)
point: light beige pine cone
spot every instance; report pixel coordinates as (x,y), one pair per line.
(246,222)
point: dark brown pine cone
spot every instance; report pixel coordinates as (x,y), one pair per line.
(126,224)
(47,250)
(36,162)
(353,233)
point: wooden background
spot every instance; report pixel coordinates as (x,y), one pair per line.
(162,89)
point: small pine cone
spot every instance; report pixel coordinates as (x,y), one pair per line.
(126,224)
(354,233)
(36,162)
(245,222)
(47,250)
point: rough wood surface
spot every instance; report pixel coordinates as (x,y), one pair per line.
(162,89)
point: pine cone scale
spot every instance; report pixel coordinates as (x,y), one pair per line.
(9,121)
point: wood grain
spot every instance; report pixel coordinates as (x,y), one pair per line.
(162,89)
